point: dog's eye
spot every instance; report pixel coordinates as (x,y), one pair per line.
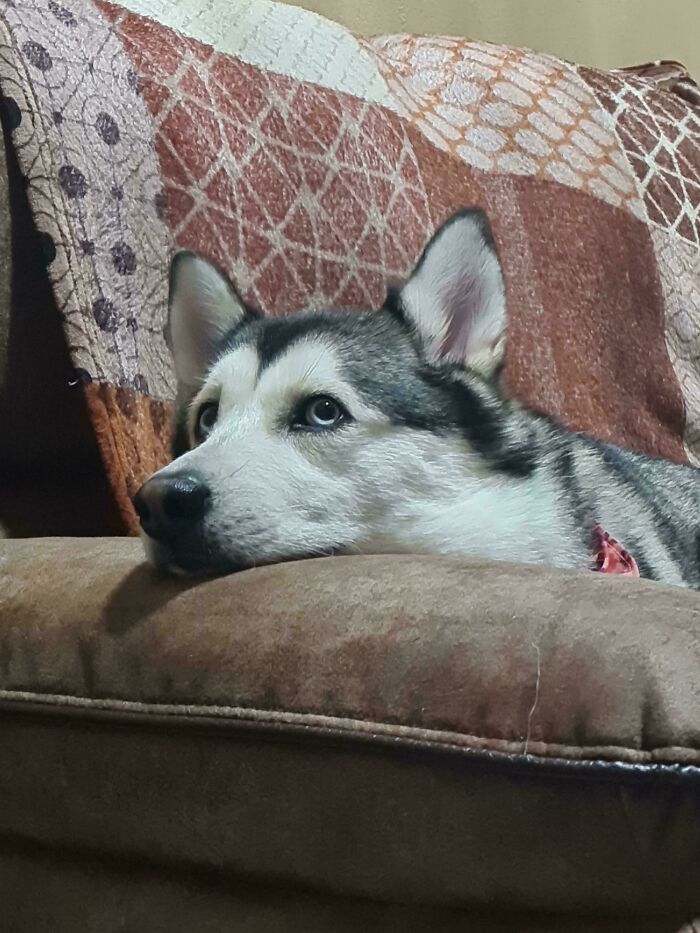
(320,413)
(206,419)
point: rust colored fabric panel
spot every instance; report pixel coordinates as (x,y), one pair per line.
(602,324)
(660,135)
(318,205)
(133,434)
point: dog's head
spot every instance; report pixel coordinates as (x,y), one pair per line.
(324,432)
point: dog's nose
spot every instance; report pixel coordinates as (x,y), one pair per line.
(168,504)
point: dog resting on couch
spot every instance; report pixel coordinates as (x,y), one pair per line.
(328,432)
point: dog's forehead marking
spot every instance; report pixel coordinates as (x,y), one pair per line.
(276,336)
(310,365)
(235,375)
(305,366)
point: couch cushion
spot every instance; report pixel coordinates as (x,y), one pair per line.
(473,731)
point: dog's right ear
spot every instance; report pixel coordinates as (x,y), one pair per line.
(454,301)
(203,306)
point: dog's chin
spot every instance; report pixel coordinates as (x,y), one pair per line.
(188,564)
(178,562)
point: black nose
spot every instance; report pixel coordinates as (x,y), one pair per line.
(167,505)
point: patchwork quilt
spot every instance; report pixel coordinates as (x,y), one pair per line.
(313,165)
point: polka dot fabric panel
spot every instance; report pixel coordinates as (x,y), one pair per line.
(136,140)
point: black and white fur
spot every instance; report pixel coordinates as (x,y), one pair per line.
(427,456)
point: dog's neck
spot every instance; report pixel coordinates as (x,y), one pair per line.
(446,503)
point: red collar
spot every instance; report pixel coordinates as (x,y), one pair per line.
(610,556)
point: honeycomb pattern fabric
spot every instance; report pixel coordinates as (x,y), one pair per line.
(509,110)
(313,165)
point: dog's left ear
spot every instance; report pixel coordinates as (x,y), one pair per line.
(454,300)
(203,307)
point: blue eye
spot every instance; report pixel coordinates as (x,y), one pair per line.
(206,419)
(320,413)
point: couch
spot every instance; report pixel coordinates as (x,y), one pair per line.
(380,743)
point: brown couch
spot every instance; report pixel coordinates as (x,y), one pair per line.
(388,743)
(353,743)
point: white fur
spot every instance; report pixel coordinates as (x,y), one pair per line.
(442,502)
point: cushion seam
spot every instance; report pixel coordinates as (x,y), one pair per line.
(72,702)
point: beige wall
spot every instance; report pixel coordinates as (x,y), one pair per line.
(605,33)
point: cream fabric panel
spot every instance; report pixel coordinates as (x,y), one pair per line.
(286,39)
(604,33)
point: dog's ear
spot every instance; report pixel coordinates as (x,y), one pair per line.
(203,306)
(454,300)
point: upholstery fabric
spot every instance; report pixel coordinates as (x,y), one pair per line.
(314,164)
(87,893)
(618,659)
(381,729)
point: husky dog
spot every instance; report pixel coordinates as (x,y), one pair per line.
(328,432)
